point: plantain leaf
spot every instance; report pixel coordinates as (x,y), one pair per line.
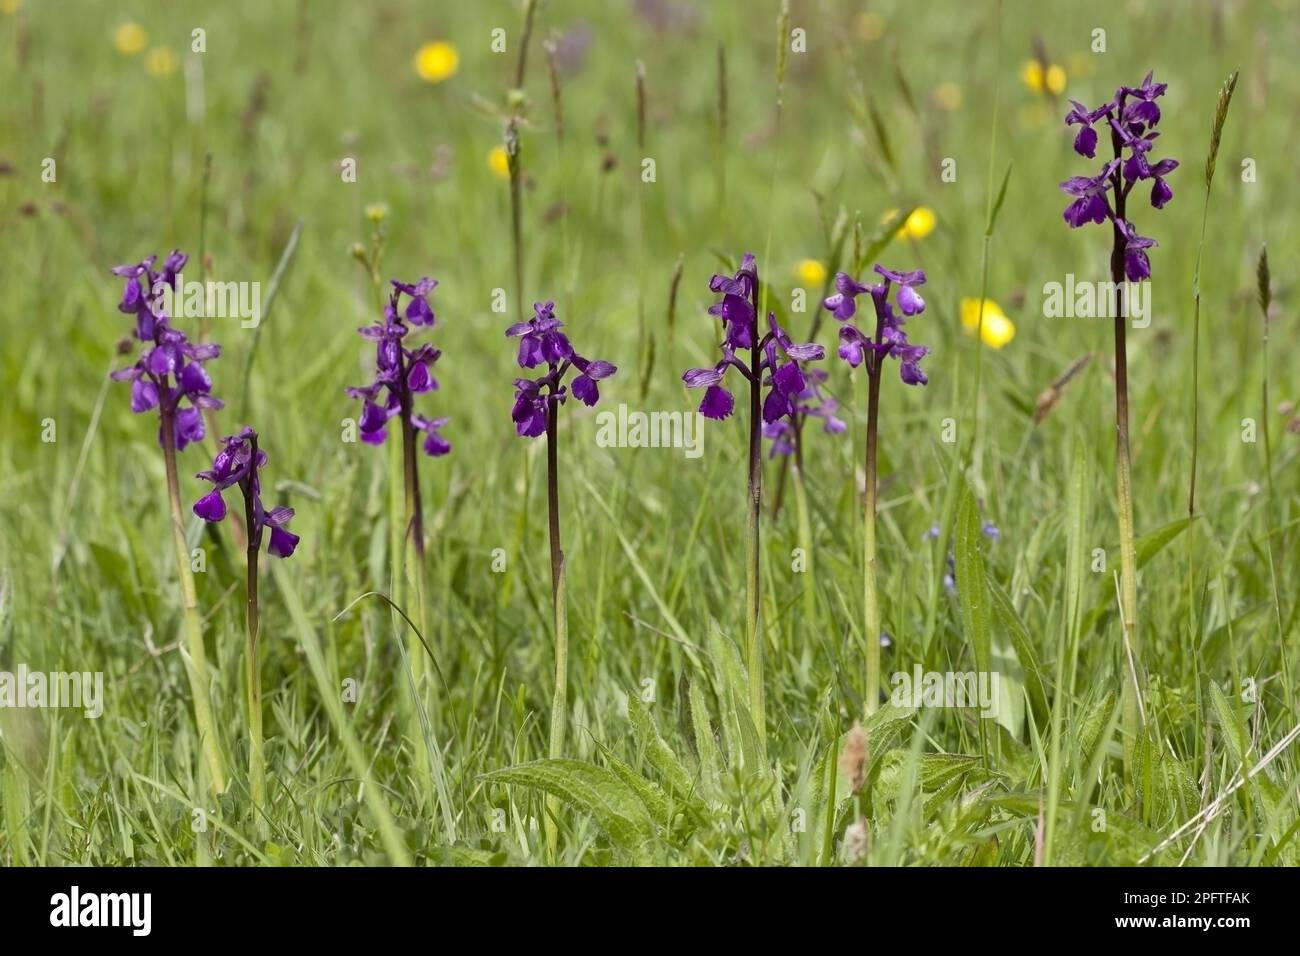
(972,585)
(1019,635)
(615,806)
(657,751)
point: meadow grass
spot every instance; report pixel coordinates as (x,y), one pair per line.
(663,760)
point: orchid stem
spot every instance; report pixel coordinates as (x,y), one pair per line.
(414,562)
(559,700)
(1124,488)
(252,668)
(753,630)
(196,662)
(870,601)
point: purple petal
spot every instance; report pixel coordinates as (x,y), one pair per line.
(910,302)
(436,445)
(717,403)
(1085,144)
(211,507)
(283,542)
(144,395)
(418,378)
(585,390)
(598,370)
(810,352)
(701,377)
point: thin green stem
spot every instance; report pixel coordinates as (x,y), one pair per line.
(1132,643)
(196,662)
(560,697)
(413,560)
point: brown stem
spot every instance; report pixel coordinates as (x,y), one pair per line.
(252,666)
(870,602)
(753,632)
(553,493)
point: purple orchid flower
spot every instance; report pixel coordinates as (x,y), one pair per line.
(779,367)
(1085,143)
(169,374)
(856,346)
(238,463)
(418,311)
(541,341)
(540,338)
(775,363)
(401,371)
(812,403)
(1130,117)
(1137,266)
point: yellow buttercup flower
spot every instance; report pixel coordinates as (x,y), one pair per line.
(436,61)
(129,38)
(499,162)
(160,61)
(947,96)
(920,223)
(998,329)
(810,272)
(1051,80)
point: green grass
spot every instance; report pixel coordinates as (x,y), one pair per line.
(663,762)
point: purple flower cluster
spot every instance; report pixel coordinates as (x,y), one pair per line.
(779,358)
(542,342)
(238,463)
(890,339)
(170,370)
(1131,118)
(401,373)
(811,402)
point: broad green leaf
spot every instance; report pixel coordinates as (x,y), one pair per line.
(650,793)
(972,587)
(1019,636)
(615,806)
(1234,728)
(657,751)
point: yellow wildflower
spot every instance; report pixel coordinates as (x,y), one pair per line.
(919,224)
(498,161)
(810,272)
(1051,80)
(129,38)
(998,329)
(436,61)
(160,61)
